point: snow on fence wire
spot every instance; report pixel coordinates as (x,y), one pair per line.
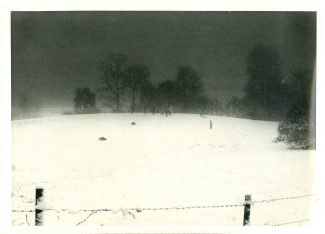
(40,208)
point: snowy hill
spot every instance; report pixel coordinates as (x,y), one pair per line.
(160,161)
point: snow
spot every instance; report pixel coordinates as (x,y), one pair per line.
(160,162)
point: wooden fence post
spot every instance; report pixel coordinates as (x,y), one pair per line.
(39,206)
(247,209)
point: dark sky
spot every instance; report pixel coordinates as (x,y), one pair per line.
(55,52)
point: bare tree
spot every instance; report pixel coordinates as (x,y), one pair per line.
(148,96)
(189,86)
(264,89)
(135,77)
(114,74)
(167,94)
(84,100)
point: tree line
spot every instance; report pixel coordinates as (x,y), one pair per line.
(268,93)
(128,88)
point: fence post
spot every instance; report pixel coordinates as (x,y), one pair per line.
(39,206)
(247,209)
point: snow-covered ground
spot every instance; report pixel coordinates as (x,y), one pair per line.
(160,162)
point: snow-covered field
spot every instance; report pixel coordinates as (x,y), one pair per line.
(160,162)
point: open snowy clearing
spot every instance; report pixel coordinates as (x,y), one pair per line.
(159,162)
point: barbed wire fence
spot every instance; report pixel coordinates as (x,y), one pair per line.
(40,210)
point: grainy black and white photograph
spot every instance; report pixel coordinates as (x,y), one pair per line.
(163,118)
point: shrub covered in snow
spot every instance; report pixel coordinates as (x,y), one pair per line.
(297,127)
(296,134)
